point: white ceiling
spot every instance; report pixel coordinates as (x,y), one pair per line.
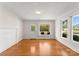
(48,10)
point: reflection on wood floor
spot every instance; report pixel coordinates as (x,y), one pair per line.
(39,47)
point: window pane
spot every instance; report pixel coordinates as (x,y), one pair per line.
(75,24)
(32,27)
(64,34)
(44,29)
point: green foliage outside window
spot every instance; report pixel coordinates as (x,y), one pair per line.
(32,27)
(44,29)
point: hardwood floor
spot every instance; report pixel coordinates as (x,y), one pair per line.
(39,47)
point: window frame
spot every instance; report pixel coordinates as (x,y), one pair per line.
(49,29)
(72,30)
(61,28)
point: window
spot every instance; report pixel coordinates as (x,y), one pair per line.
(32,27)
(64,28)
(75,29)
(44,29)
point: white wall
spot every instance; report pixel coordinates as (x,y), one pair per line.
(67,41)
(10,29)
(57,29)
(27,33)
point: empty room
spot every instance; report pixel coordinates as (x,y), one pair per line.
(39,28)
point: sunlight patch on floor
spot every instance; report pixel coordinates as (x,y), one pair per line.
(64,53)
(33,49)
(45,48)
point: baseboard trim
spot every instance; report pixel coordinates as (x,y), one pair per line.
(39,39)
